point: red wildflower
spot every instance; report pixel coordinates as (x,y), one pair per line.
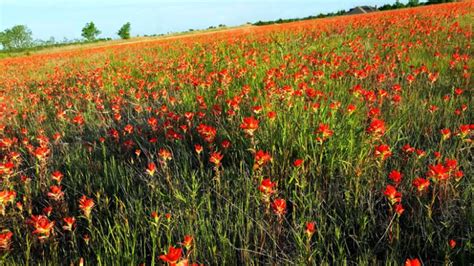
(7,196)
(198,148)
(216,158)
(464,130)
(41,153)
(57,176)
(433,76)
(138,152)
(412,262)
(86,205)
(310,228)
(261,158)
(78,120)
(189,115)
(6,143)
(43,227)
(397,87)
(351,108)
(298,162)
(374,112)
(55,193)
(458,175)
(324,131)
(438,171)
(279,206)
(153,123)
(420,153)
(151,169)
(19,206)
(452,243)
(395,176)
(271,115)
(266,186)
(433,108)
(69,223)
(249,125)
(128,129)
(383,151)
(47,210)
(451,164)
(446,133)
(408,149)
(173,255)
(398,208)
(421,184)
(154,215)
(5,240)
(6,168)
(257,109)
(208,133)
(164,154)
(376,128)
(187,242)
(225,144)
(392,194)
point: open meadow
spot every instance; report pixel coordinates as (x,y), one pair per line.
(337,141)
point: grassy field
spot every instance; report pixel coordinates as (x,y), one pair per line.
(337,141)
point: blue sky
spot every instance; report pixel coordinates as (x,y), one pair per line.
(65,18)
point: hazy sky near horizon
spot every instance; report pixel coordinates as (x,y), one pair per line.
(65,18)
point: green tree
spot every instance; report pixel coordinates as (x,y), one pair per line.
(3,40)
(90,31)
(124,31)
(397,5)
(17,37)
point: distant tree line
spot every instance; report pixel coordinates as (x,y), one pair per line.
(20,37)
(396,5)
(279,21)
